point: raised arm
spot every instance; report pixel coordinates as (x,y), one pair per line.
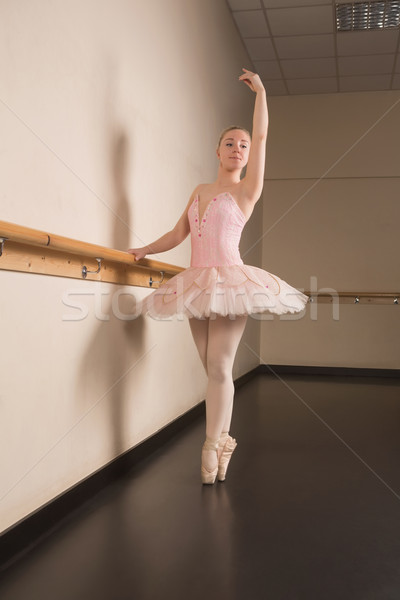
(169,240)
(253,182)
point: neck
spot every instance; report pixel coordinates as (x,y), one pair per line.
(227,178)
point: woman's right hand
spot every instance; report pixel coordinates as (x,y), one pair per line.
(139,252)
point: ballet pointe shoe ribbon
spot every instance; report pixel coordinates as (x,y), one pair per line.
(209,457)
(227,445)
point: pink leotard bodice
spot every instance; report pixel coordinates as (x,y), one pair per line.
(215,239)
(217,281)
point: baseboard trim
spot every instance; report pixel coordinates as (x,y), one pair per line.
(27,533)
(317,370)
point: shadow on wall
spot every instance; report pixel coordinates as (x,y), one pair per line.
(117,344)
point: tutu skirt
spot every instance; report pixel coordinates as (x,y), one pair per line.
(232,290)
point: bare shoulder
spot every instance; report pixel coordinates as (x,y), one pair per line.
(245,203)
(204,188)
(197,190)
(246,193)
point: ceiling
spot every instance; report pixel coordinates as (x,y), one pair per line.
(295,48)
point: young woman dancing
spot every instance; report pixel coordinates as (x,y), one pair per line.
(217,292)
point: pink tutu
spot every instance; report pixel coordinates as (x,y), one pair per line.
(217,282)
(225,290)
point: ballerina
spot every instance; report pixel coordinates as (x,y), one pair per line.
(218,292)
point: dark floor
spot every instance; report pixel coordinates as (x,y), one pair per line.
(310,508)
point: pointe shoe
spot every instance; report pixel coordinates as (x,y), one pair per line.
(208,477)
(225,452)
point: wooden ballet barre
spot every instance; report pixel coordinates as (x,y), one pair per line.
(32,251)
(354,297)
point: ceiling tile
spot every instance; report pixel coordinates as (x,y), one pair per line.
(366,42)
(244,4)
(295,21)
(275,87)
(251,23)
(309,67)
(283,3)
(260,48)
(364,83)
(364,65)
(305,46)
(268,69)
(295,49)
(323,85)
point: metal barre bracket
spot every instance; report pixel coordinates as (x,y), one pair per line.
(151,281)
(2,240)
(85,269)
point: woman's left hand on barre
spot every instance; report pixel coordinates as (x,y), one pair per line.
(139,252)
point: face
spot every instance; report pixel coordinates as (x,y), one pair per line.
(233,151)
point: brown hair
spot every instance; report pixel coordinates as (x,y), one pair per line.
(233,127)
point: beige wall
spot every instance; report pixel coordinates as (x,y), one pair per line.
(331,218)
(109,114)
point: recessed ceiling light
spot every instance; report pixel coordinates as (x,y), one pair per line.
(357,16)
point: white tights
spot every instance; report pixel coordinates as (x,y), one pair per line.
(217,341)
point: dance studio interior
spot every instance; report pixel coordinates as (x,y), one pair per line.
(110,116)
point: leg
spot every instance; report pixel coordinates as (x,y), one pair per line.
(224,336)
(217,342)
(199,330)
